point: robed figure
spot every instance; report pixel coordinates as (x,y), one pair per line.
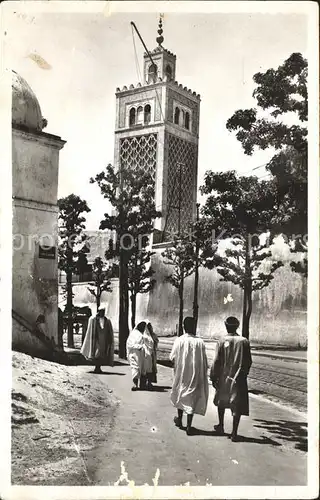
(190,384)
(151,354)
(229,374)
(98,345)
(142,355)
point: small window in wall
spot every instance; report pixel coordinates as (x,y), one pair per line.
(152,73)
(187,121)
(132,117)
(182,115)
(176,116)
(169,72)
(140,115)
(147,114)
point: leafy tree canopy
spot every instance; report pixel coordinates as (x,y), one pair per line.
(71,231)
(131,194)
(279,122)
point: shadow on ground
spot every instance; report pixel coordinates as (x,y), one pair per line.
(241,439)
(159,388)
(286,430)
(107,373)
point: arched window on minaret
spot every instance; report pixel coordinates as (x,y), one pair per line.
(132,117)
(176,115)
(147,114)
(169,72)
(140,115)
(187,121)
(152,73)
(182,115)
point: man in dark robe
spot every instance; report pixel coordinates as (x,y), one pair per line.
(98,345)
(228,375)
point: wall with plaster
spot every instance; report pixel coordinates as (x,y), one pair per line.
(35,166)
(279,311)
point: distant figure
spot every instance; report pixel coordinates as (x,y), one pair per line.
(152,376)
(60,328)
(98,345)
(141,353)
(228,374)
(190,386)
(85,324)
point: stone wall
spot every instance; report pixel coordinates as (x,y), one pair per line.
(279,311)
(35,163)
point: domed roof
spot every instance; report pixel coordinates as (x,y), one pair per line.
(26,109)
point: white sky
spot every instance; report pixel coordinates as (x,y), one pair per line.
(90,55)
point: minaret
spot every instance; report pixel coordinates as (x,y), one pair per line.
(157,128)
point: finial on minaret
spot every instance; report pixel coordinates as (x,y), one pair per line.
(160,38)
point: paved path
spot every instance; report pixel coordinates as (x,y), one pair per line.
(271,452)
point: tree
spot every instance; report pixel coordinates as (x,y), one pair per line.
(71,236)
(131,194)
(139,275)
(204,253)
(283,92)
(181,256)
(83,266)
(246,209)
(101,274)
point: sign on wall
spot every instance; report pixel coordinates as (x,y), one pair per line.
(47,252)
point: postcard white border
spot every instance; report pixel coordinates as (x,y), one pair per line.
(162,492)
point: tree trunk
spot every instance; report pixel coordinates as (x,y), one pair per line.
(98,298)
(244,311)
(69,309)
(133,310)
(123,305)
(195,296)
(245,325)
(181,287)
(196,278)
(249,309)
(247,294)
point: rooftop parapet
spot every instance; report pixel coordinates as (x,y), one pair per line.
(172,83)
(160,49)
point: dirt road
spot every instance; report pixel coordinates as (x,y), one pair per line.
(271,451)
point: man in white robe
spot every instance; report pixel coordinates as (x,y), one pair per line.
(98,345)
(190,385)
(135,354)
(141,350)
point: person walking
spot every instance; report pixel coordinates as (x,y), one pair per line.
(190,385)
(98,345)
(141,349)
(150,344)
(152,376)
(228,375)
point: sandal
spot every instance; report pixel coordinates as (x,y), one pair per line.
(219,430)
(178,422)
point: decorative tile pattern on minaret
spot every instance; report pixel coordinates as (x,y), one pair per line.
(139,152)
(184,153)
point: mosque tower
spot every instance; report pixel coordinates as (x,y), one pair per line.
(157,128)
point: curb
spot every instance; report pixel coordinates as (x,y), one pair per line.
(278,356)
(257,353)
